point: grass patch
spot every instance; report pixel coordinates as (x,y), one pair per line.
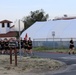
(34,57)
(47,49)
(42,48)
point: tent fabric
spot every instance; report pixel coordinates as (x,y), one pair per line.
(62,29)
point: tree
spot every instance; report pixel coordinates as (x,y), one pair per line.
(38,15)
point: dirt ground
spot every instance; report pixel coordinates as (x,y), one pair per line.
(28,65)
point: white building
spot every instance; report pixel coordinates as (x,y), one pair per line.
(7,30)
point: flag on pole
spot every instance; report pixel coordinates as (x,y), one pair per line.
(26,37)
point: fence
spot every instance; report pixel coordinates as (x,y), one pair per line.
(53,42)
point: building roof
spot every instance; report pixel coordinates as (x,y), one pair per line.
(12,26)
(5,21)
(9,34)
(65,18)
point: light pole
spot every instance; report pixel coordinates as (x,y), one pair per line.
(19,40)
(53,34)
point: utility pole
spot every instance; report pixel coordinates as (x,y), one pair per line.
(19,41)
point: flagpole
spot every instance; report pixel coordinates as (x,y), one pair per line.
(19,41)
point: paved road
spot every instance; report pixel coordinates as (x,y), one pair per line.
(70,60)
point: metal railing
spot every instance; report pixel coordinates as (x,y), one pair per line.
(53,43)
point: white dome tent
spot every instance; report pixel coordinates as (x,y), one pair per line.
(62,29)
(65,29)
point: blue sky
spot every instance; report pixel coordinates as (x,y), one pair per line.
(17,9)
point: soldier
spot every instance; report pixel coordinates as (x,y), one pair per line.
(71,47)
(30,46)
(17,45)
(21,42)
(2,46)
(25,44)
(6,46)
(12,44)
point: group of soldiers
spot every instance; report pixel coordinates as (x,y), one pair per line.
(6,45)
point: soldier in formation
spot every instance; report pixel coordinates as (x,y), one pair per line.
(6,44)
